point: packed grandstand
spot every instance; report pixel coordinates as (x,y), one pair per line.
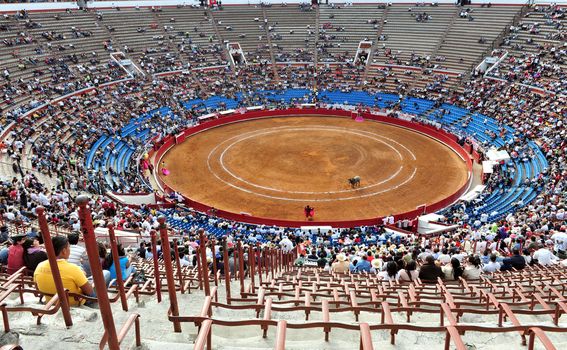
(93,96)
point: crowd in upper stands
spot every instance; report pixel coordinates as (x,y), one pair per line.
(538,51)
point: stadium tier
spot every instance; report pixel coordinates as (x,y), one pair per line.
(272,175)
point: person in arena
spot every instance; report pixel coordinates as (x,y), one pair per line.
(390,273)
(309,212)
(473,270)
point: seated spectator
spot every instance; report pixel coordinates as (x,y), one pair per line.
(16,253)
(515,261)
(352,266)
(73,278)
(408,273)
(78,254)
(300,261)
(33,253)
(473,269)
(376,265)
(183,257)
(313,256)
(363,265)
(544,256)
(142,250)
(341,265)
(321,261)
(125,267)
(390,273)
(492,266)
(430,271)
(453,270)
(4,234)
(4,252)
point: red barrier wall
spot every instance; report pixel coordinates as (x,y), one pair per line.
(440,135)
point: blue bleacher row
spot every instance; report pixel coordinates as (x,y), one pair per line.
(456,119)
(120,157)
(256,234)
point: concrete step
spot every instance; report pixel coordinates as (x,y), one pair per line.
(162,345)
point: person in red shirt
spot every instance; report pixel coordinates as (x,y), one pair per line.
(16,253)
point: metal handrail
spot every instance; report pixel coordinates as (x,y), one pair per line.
(537,332)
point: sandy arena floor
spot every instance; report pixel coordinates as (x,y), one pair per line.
(274,167)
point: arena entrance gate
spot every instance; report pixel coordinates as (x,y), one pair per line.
(236,54)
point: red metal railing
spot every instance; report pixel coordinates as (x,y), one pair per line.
(63,298)
(117,267)
(134,319)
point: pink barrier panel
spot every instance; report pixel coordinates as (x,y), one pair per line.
(449,139)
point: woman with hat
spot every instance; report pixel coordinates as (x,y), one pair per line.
(16,253)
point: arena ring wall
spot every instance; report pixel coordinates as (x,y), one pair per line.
(433,134)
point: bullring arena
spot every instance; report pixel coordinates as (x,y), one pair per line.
(183,174)
(273,167)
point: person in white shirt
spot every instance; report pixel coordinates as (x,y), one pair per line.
(408,273)
(560,240)
(390,273)
(286,244)
(146,226)
(444,258)
(492,266)
(544,256)
(472,270)
(44,200)
(480,247)
(183,261)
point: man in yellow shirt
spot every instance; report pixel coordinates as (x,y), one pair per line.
(73,277)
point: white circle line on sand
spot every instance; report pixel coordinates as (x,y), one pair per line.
(303,199)
(316,199)
(373,137)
